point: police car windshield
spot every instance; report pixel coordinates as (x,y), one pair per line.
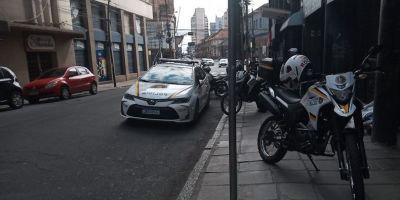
(170,75)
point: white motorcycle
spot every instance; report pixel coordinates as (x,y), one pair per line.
(328,112)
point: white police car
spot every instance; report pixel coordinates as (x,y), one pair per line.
(174,91)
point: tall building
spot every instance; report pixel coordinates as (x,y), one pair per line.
(199,25)
(219,23)
(53,33)
(213,28)
(225,20)
(161,29)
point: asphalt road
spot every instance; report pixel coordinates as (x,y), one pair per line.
(83,149)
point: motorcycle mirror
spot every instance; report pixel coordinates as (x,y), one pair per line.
(293,51)
(375,49)
(362,76)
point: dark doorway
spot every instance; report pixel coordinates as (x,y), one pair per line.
(39,62)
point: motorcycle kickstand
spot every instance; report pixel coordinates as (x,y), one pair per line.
(312,161)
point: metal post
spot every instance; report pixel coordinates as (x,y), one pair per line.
(247,2)
(234,47)
(110,44)
(384,129)
(324,40)
(253,44)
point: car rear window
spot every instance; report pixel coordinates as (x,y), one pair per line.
(170,75)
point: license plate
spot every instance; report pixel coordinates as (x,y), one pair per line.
(33,93)
(151,111)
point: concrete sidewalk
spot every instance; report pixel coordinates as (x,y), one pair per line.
(294,177)
(110,85)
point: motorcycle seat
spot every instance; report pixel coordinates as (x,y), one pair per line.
(287,95)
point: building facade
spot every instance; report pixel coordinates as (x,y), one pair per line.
(162,29)
(35,36)
(213,46)
(258,33)
(199,25)
(52,33)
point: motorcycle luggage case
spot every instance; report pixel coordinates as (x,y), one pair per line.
(268,102)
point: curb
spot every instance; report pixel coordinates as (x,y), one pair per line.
(187,190)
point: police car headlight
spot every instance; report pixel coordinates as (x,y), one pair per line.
(181,100)
(129,96)
(342,96)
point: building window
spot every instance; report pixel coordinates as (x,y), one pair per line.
(139,25)
(117,59)
(77,13)
(128,25)
(115,20)
(98,15)
(131,61)
(141,58)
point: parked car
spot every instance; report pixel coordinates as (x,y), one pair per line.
(207,62)
(10,89)
(61,82)
(174,91)
(223,62)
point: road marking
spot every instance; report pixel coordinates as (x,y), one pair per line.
(187,190)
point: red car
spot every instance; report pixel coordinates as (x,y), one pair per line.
(60,82)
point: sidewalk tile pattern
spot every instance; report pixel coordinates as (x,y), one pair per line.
(293,178)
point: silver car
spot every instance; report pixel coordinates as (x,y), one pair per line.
(171,91)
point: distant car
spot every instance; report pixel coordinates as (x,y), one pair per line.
(10,89)
(223,62)
(207,62)
(61,82)
(170,91)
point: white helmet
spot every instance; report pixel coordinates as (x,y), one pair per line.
(293,68)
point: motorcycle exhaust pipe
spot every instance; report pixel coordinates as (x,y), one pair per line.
(266,100)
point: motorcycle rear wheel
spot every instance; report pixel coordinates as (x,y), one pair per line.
(266,140)
(225,104)
(353,165)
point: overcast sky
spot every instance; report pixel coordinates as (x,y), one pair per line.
(213,8)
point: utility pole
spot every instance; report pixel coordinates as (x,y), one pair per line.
(110,46)
(168,39)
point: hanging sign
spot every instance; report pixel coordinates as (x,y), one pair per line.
(41,43)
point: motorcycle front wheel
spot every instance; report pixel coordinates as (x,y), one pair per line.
(353,165)
(225,104)
(269,141)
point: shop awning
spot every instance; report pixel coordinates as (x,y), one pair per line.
(45,29)
(294,20)
(274,13)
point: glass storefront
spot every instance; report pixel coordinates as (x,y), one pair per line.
(101,60)
(117,59)
(81,54)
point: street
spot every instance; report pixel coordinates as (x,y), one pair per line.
(83,149)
